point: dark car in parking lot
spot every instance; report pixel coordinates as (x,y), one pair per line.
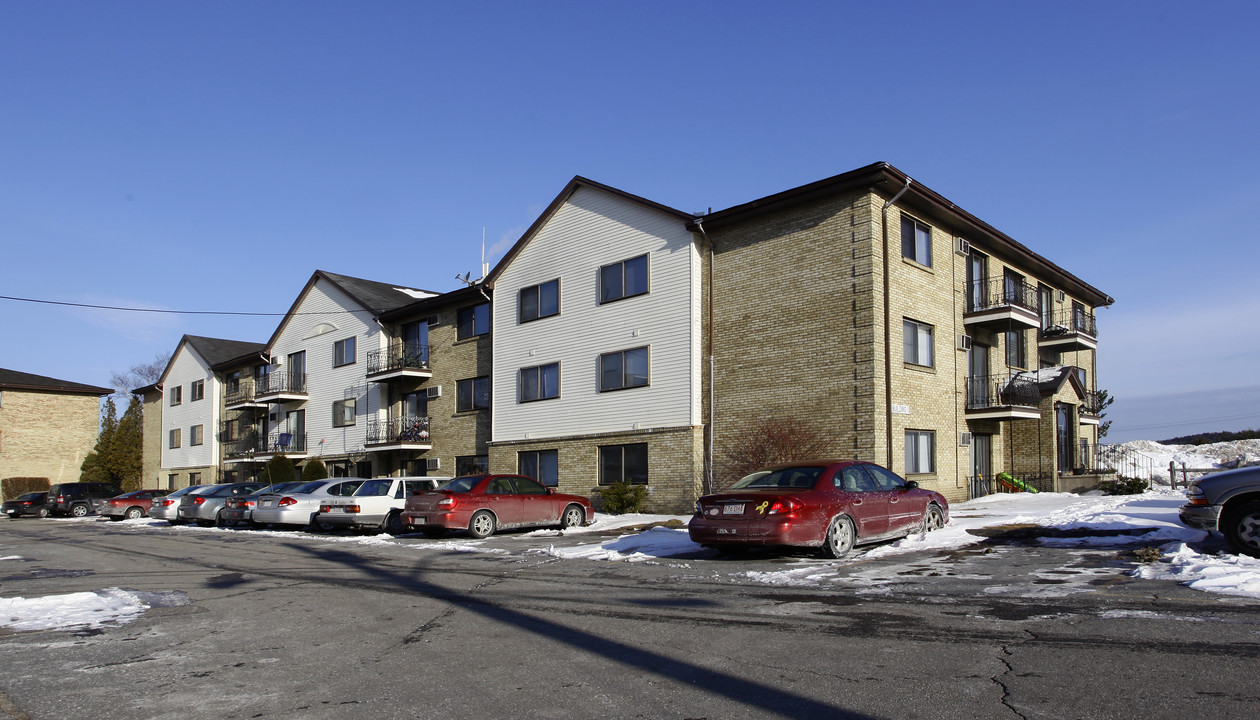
(78,499)
(1229,503)
(31,503)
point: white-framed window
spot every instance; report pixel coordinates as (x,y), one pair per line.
(174,439)
(540,382)
(916,241)
(623,369)
(345,412)
(196,390)
(539,301)
(917,344)
(920,451)
(196,435)
(473,321)
(623,463)
(542,465)
(177,395)
(472,394)
(344,352)
(623,279)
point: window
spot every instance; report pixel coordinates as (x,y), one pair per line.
(1015,348)
(472,394)
(920,451)
(473,321)
(540,383)
(539,301)
(174,438)
(624,279)
(472,465)
(177,395)
(196,435)
(625,369)
(917,343)
(1013,286)
(197,390)
(916,241)
(194,478)
(542,465)
(623,463)
(343,352)
(172,479)
(344,412)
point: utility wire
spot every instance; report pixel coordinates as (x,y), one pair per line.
(176,312)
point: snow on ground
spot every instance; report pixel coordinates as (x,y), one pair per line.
(82,610)
(1217,456)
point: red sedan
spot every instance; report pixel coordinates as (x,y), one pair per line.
(483,504)
(832,505)
(130,505)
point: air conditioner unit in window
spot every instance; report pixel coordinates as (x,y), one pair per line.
(434,392)
(1061,295)
(433,463)
(961,246)
(964,342)
(964,439)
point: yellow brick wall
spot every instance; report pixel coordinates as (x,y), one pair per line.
(46,434)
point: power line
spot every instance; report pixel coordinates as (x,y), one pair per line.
(1186,422)
(176,312)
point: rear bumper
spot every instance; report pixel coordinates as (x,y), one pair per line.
(282,517)
(446,520)
(1201,517)
(784,530)
(352,520)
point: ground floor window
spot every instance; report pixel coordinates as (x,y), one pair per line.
(920,451)
(623,463)
(542,465)
(472,465)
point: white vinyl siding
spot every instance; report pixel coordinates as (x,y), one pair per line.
(187,368)
(591,230)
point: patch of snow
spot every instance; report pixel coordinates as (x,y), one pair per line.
(82,610)
(417,294)
(1227,574)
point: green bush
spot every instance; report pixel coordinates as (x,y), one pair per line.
(280,469)
(1128,486)
(314,470)
(622,497)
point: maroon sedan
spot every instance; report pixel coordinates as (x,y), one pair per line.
(831,504)
(129,505)
(482,504)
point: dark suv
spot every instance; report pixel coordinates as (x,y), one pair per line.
(76,499)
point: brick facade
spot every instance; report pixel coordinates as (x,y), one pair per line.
(46,434)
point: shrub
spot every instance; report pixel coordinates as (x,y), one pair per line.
(280,469)
(15,486)
(767,442)
(1128,486)
(622,497)
(314,470)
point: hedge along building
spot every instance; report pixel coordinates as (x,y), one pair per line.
(904,330)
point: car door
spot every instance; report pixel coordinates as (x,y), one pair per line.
(905,507)
(501,497)
(537,505)
(864,502)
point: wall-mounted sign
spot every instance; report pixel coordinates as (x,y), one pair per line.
(901,409)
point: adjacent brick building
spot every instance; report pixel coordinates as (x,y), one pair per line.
(47,426)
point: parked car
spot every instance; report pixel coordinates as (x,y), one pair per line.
(130,505)
(167,508)
(204,507)
(300,505)
(240,509)
(1229,503)
(377,504)
(832,505)
(77,499)
(484,504)
(31,503)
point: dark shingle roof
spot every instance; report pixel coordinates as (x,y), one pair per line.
(217,350)
(376,296)
(28,381)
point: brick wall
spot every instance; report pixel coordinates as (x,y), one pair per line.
(46,434)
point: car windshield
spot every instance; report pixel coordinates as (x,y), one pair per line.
(32,496)
(373,488)
(793,477)
(310,487)
(461,484)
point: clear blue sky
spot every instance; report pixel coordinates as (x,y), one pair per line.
(211,156)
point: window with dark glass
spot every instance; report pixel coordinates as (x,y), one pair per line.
(196,435)
(623,464)
(624,369)
(916,241)
(175,436)
(542,465)
(343,352)
(472,394)
(623,279)
(539,301)
(177,395)
(473,321)
(540,382)
(1015,349)
(344,412)
(472,465)
(197,390)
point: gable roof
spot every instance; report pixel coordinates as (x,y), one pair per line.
(577,182)
(1050,380)
(16,380)
(215,351)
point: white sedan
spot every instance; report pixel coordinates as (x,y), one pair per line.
(297,506)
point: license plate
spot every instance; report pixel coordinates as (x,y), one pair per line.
(266,503)
(733,509)
(726,531)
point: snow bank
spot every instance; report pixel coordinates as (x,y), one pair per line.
(82,610)
(1217,456)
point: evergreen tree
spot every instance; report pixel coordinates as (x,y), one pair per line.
(1104,402)
(102,469)
(280,469)
(314,470)
(128,446)
(92,470)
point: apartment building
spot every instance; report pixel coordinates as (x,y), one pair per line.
(47,426)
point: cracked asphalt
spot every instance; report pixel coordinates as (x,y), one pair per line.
(308,627)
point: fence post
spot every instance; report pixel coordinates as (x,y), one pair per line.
(1172,474)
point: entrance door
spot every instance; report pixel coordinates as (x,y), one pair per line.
(295,425)
(1063,416)
(981,465)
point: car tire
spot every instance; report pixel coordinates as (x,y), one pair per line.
(933,519)
(573,516)
(839,539)
(41,513)
(79,510)
(482,524)
(133,513)
(1241,529)
(393,524)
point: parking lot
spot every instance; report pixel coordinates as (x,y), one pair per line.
(292,625)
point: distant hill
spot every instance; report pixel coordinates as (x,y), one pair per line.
(1212,437)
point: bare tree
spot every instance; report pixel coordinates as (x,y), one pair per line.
(139,375)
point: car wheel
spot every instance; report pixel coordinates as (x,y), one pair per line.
(933,519)
(41,513)
(1242,529)
(573,516)
(482,524)
(434,533)
(393,524)
(839,538)
(134,513)
(79,510)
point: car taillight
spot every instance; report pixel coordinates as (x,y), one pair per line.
(325,508)
(61,498)
(447,503)
(199,501)
(246,503)
(783,506)
(287,501)
(352,508)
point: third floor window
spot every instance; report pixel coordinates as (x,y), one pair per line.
(539,301)
(623,279)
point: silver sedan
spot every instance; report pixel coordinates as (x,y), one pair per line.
(167,508)
(299,505)
(204,507)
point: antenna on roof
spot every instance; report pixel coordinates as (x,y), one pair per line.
(465,278)
(485,268)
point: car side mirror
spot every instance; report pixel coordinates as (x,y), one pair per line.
(912,484)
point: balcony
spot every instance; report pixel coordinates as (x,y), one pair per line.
(398,433)
(241,396)
(1090,410)
(1072,329)
(284,443)
(1001,304)
(243,449)
(281,387)
(399,361)
(1002,397)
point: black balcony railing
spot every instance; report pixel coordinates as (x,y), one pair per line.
(1000,293)
(242,391)
(250,444)
(1103,458)
(285,442)
(398,430)
(281,382)
(399,356)
(987,391)
(1066,322)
